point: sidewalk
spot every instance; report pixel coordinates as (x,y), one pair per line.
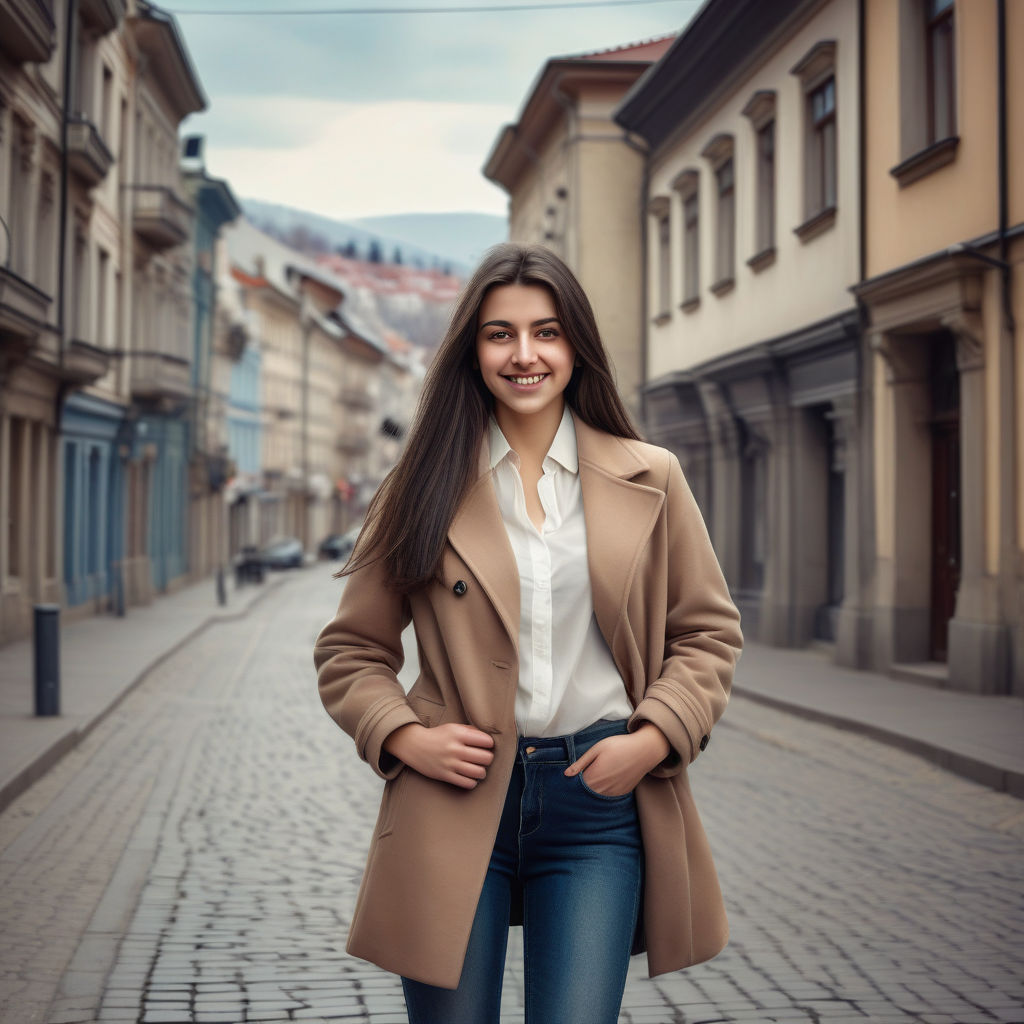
(101,659)
(981,738)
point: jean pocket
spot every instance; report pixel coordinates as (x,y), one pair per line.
(603,796)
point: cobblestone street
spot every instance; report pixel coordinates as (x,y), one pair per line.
(197,857)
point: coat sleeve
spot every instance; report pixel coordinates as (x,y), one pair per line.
(702,635)
(358,655)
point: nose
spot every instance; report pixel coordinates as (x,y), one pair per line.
(526,352)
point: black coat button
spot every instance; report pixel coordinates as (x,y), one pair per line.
(460,588)
(704,740)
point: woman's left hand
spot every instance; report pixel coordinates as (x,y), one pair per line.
(613,766)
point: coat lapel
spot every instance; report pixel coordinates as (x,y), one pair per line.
(620,516)
(478,534)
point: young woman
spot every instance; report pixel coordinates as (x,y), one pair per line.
(576,645)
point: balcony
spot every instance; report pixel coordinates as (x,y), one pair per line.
(27,30)
(102,16)
(23,310)
(84,363)
(88,156)
(160,217)
(159,376)
(357,398)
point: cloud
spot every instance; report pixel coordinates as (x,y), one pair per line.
(365,159)
(378,57)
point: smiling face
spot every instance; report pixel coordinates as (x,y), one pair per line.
(525,359)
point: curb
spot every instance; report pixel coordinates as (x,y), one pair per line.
(1004,780)
(43,762)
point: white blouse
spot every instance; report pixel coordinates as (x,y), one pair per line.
(568,685)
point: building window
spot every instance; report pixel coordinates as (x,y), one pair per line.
(687,184)
(725,222)
(103,275)
(941,70)
(766,187)
(691,248)
(660,211)
(760,109)
(821,148)
(816,72)
(719,153)
(927,88)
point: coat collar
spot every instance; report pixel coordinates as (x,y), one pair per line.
(619,514)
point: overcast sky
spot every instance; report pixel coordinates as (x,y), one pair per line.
(365,114)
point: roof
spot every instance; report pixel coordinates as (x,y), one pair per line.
(260,260)
(709,55)
(393,278)
(543,105)
(646,49)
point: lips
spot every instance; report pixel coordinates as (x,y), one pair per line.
(525,380)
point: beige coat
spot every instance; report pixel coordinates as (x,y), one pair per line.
(663,608)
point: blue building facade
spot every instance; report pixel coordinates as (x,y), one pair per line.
(244,406)
(93,438)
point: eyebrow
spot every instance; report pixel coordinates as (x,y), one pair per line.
(505,323)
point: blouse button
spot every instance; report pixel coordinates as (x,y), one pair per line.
(460,588)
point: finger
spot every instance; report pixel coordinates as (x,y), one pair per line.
(475,737)
(581,762)
(477,755)
(473,771)
(461,781)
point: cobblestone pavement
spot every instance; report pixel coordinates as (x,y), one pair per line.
(196,859)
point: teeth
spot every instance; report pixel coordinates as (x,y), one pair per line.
(528,380)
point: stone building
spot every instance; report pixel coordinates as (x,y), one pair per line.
(753,342)
(939,592)
(575,182)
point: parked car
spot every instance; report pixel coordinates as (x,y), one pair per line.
(249,565)
(283,553)
(339,545)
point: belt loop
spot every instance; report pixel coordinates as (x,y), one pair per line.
(570,748)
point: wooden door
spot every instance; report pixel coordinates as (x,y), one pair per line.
(945,531)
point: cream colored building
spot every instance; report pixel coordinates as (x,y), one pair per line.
(319,412)
(574,180)
(941,593)
(752,334)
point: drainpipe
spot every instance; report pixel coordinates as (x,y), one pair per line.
(1009,469)
(70,40)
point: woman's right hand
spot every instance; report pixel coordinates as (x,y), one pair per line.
(453,753)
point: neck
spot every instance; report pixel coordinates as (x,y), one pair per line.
(530,436)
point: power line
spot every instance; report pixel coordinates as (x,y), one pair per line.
(480,9)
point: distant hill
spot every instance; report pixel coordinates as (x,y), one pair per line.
(451,241)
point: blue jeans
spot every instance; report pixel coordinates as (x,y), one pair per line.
(576,859)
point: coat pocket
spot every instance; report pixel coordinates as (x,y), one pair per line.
(389,804)
(430,711)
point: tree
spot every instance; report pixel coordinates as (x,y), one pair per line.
(375,255)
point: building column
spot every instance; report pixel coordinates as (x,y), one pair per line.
(853,631)
(902,597)
(979,652)
(771,435)
(725,480)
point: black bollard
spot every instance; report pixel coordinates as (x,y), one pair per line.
(47,655)
(222,593)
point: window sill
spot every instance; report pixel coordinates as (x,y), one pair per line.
(929,159)
(723,286)
(762,260)
(690,304)
(661,318)
(815,225)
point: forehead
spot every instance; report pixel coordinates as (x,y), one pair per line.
(514,302)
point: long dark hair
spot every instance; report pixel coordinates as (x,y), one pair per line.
(408,519)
